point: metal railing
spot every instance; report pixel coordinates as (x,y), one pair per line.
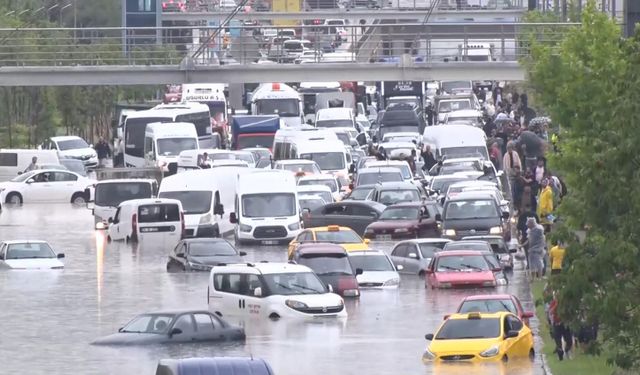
(390,43)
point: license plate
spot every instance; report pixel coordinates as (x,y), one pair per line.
(147,230)
(270,242)
(383,237)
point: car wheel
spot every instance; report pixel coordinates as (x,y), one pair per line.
(14,198)
(78,199)
(274,316)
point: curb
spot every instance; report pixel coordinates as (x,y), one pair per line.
(545,367)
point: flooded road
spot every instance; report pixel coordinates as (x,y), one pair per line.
(50,317)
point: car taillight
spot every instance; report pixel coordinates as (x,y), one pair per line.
(134,225)
(184,229)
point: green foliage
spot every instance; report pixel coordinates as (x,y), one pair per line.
(590,83)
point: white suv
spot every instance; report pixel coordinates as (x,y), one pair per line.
(271,290)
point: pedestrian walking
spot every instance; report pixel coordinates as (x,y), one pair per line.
(536,242)
(428,158)
(512,166)
(33,166)
(556,257)
(560,332)
(104,152)
(545,205)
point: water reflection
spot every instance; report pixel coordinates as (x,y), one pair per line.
(104,285)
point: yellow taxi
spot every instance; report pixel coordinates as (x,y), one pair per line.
(480,337)
(344,236)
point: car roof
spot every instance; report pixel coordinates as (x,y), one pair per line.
(458,253)
(124,180)
(366,252)
(465,316)
(13,242)
(469,242)
(177,312)
(474,183)
(295,161)
(483,238)
(326,228)
(320,248)
(204,240)
(406,205)
(323,176)
(425,240)
(395,185)
(371,170)
(372,204)
(382,163)
(308,188)
(262,268)
(482,297)
(473,195)
(65,138)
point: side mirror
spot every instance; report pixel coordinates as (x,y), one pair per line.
(30,181)
(175,331)
(242,253)
(60,255)
(499,173)
(511,334)
(399,267)
(359,271)
(110,220)
(446,317)
(218,209)
(413,255)
(257,292)
(180,255)
(120,329)
(232,218)
(513,250)
(19,173)
(527,315)
(428,336)
(330,288)
(438,217)
(367,241)
(505,215)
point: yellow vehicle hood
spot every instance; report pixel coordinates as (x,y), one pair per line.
(465,346)
(355,246)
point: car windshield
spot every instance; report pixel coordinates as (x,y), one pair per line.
(456,329)
(471,209)
(281,107)
(325,195)
(288,284)
(454,105)
(193,202)
(428,250)
(211,248)
(460,167)
(112,194)
(156,213)
(29,251)
(326,160)
(306,168)
(462,263)
(476,246)
(449,86)
(394,196)
(334,123)
(149,323)
(23,177)
(344,138)
(467,151)
(360,194)
(72,144)
(471,119)
(488,306)
(331,184)
(400,213)
(255,140)
(338,236)
(374,178)
(327,264)
(442,184)
(311,203)
(372,263)
(246,157)
(174,146)
(269,205)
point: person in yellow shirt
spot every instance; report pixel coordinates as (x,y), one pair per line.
(545,204)
(556,257)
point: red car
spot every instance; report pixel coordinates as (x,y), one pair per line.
(405,220)
(491,303)
(459,269)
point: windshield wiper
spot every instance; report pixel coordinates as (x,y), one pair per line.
(449,268)
(472,267)
(284,286)
(471,337)
(305,288)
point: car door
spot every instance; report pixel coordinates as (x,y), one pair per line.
(63,186)
(114,226)
(520,345)
(227,300)
(37,188)
(180,253)
(412,259)
(185,324)
(207,329)
(332,214)
(360,216)
(2,255)
(398,256)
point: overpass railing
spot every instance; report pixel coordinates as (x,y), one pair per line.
(246,44)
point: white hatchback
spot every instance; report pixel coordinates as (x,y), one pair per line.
(46,186)
(377,268)
(271,290)
(29,255)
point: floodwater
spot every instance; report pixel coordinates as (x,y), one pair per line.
(50,317)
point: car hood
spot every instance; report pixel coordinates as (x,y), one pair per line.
(129,338)
(318,300)
(79,152)
(34,264)
(377,276)
(216,259)
(464,346)
(467,224)
(464,276)
(393,224)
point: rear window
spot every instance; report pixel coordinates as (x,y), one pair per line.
(8,159)
(158,213)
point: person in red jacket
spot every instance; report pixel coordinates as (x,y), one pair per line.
(560,331)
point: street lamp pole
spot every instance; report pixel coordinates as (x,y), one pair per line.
(61,10)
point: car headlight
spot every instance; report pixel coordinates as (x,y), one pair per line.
(495,230)
(427,355)
(198,266)
(296,304)
(401,230)
(294,226)
(450,232)
(245,228)
(392,282)
(491,352)
(489,283)
(351,293)
(205,219)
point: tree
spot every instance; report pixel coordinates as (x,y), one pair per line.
(589,83)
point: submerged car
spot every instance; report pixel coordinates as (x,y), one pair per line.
(492,303)
(377,269)
(29,255)
(478,337)
(202,254)
(459,269)
(346,237)
(405,220)
(173,327)
(413,256)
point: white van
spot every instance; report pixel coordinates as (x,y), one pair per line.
(271,290)
(331,156)
(14,161)
(266,207)
(456,141)
(286,141)
(335,118)
(163,142)
(278,99)
(157,221)
(108,194)
(192,159)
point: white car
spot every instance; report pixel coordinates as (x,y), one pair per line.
(322,191)
(271,290)
(377,268)
(29,255)
(327,180)
(46,185)
(72,147)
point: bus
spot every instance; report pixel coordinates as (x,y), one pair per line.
(213,95)
(136,124)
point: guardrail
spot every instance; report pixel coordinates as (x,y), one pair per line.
(245,44)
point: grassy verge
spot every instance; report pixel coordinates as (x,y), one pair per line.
(581,363)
